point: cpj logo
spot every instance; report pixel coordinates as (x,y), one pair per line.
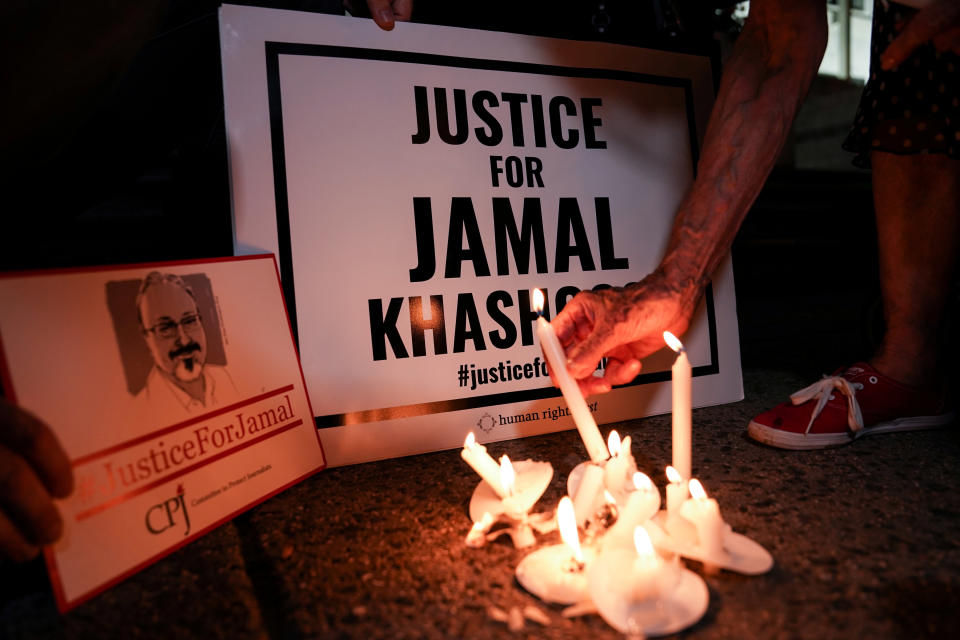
(167,514)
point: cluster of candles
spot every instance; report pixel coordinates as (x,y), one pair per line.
(625,565)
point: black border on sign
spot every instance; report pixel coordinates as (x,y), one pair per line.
(274,50)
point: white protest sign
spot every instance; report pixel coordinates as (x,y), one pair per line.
(417,184)
(175,391)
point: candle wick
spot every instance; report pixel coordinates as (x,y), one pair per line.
(574,566)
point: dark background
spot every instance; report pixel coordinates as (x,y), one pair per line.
(112,144)
(112,150)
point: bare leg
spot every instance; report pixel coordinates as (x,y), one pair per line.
(917,202)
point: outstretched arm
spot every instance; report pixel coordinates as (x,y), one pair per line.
(765,80)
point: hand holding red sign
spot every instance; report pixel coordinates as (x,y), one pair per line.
(196,412)
(33,470)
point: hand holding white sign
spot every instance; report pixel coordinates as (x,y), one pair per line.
(383,12)
(33,470)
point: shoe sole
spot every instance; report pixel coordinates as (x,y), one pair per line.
(806,442)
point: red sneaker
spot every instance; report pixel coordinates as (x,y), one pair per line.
(858,402)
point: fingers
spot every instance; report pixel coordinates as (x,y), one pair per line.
(589,330)
(588,385)
(12,543)
(575,330)
(948,40)
(386,12)
(382,13)
(26,502)
(33,466)
(30,438)
(403,10)
(618,372)
(566,322)
(592,386)
(927,24)
(583,357)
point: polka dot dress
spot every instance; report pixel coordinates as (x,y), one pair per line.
(914,108)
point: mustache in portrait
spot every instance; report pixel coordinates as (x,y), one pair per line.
(184,350)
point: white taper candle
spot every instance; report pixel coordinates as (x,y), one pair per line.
(681,374)
(557,358)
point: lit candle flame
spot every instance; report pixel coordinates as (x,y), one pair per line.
(613,443)
(673,475)
(673,342)
(469,441)
(507,475)
(642,482)
(697,490)
(567,521)
(642,543)
(538,301)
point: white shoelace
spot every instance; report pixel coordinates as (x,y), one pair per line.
(822,390)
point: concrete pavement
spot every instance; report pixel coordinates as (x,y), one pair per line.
(866,540)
